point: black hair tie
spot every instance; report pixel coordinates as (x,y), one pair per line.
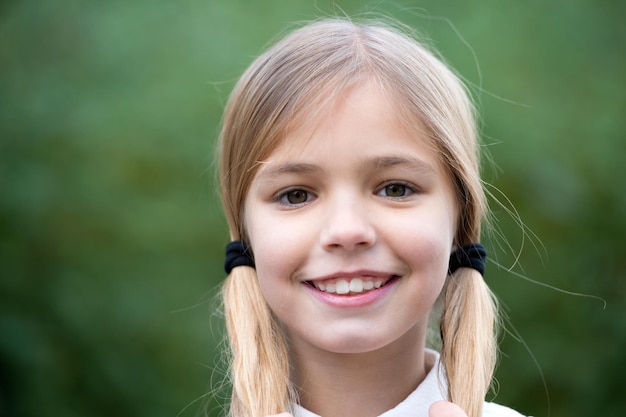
(472,256)
(238,253)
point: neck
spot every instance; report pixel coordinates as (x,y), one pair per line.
(363,384)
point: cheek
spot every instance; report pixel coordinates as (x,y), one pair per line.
(429,255)
(277,256)
(278,245)
(425,244)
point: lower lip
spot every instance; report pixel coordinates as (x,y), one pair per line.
(354,300)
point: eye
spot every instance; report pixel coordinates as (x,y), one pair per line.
(295,197)
(396,190)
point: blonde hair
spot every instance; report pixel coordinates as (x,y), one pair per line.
(290,82)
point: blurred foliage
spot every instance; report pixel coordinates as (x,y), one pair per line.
(111,233)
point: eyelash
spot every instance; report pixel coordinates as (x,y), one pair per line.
(408,188)
(282,197)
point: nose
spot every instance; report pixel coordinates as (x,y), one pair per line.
(347,226)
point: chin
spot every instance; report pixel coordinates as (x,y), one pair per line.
(360,341)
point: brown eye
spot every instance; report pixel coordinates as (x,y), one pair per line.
(395,190)
(297,196)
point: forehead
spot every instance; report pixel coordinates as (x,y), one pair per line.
(361,119)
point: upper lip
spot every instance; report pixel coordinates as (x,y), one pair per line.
(362,273)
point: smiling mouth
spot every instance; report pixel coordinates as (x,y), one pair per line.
(343,286)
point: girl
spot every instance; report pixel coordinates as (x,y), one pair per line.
(350,180)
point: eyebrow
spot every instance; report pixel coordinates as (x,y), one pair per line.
(383,162)
(288,168)
(376,163)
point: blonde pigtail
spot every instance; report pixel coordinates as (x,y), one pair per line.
(260,366)
(468,328)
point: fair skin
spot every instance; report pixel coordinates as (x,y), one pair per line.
(438,409)
(352,221)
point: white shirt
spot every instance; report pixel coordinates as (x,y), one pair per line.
(427,393)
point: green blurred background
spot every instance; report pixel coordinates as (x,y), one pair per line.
(111,234)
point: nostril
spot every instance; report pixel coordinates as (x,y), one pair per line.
(347,227)
(348,243)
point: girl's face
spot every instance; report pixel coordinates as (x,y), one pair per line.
(351,221)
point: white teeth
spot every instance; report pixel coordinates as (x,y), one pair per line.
(344,286)
(356,285)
